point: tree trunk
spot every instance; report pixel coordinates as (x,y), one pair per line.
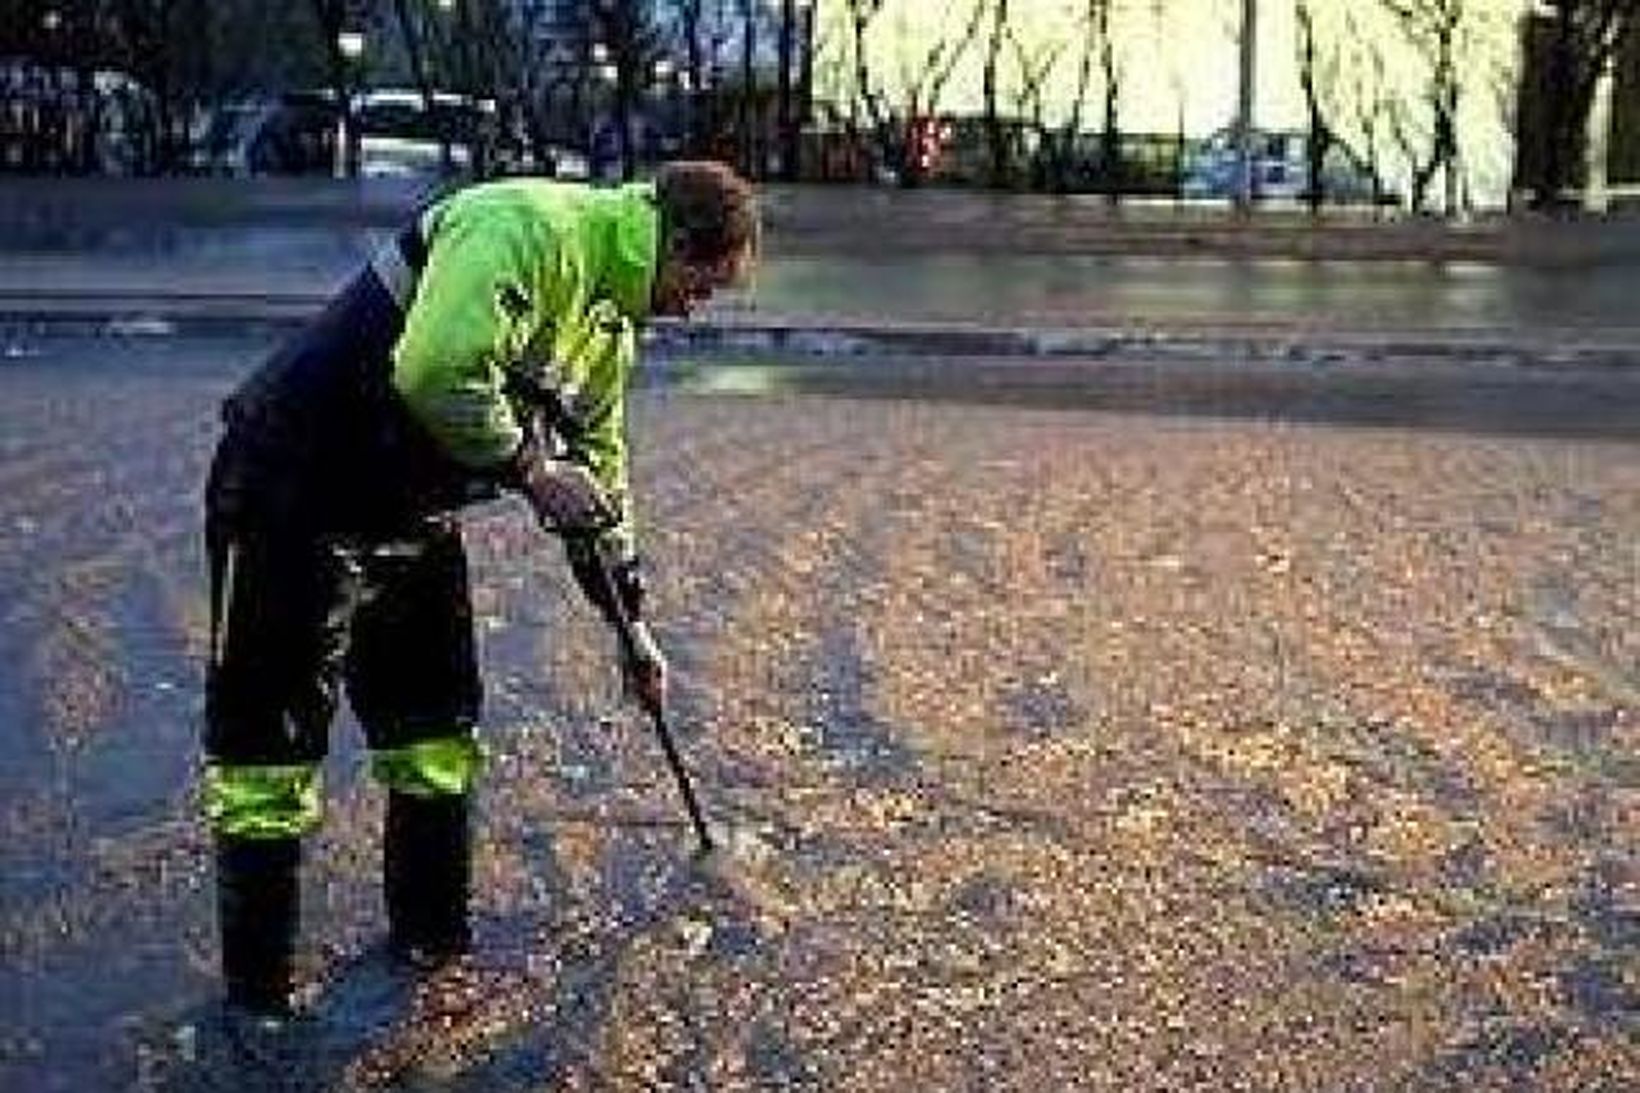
(748,50)
(1447,122)
(993,124)
(1319,141)
(418,74)
(788,129)
(694,137)
(805,85)
(1110,148)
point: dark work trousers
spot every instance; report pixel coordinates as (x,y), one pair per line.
(334,553)
(292,617)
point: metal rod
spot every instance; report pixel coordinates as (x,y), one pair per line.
(657,715)
(685,787)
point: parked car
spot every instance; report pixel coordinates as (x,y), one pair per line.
(289,134)
(398,136)
(52,119)
(1281,170)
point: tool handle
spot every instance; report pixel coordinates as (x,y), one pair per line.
(657,715)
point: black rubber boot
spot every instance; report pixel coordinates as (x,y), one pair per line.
(426,873)
(258,914)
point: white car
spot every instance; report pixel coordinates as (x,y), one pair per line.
(400,137)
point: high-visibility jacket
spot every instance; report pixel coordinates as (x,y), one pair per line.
(400,401)
(532,279)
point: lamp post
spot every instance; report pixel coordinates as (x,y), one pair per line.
(350,46)
(612,138)
(667,112)
(1244,112)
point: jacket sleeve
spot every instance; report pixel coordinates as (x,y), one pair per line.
(597,438)
(471,319)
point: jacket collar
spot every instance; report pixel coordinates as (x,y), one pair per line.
(629,227)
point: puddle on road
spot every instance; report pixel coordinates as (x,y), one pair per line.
(1597,404)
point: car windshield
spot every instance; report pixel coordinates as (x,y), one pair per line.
(410,119)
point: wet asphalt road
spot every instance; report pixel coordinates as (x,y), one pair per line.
(247,264)
(872,253)
(1093,726)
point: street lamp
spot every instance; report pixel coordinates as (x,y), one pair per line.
(1246,187)
(350,44)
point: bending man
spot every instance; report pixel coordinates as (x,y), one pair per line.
(486,350)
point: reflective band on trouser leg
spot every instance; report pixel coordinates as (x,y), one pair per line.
(443,766)
(261,801)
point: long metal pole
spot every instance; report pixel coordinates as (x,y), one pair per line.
(657,715)
(1244,111)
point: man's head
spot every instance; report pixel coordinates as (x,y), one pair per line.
(709,236)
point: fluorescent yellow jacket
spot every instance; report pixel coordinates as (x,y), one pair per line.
(539,279)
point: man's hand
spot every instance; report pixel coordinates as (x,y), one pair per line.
(645,670)
(564,495)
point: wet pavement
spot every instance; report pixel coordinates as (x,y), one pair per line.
(249,272)
(841,255)
(1056,747)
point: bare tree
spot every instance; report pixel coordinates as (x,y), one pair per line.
(924,86)
(995,137)
(413,33)
(1110,132)
(1060,148)
(861,14)
(628,31)
(1316,75)
(1584,36)
(784,125)
(750,147)
(1058,155)
(1431,26)
(690,14)
(1036,63)
(1373,105)
(702,34)
(169,47)
(511,77)
(530,78)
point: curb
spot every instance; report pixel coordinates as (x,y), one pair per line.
(119,314)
